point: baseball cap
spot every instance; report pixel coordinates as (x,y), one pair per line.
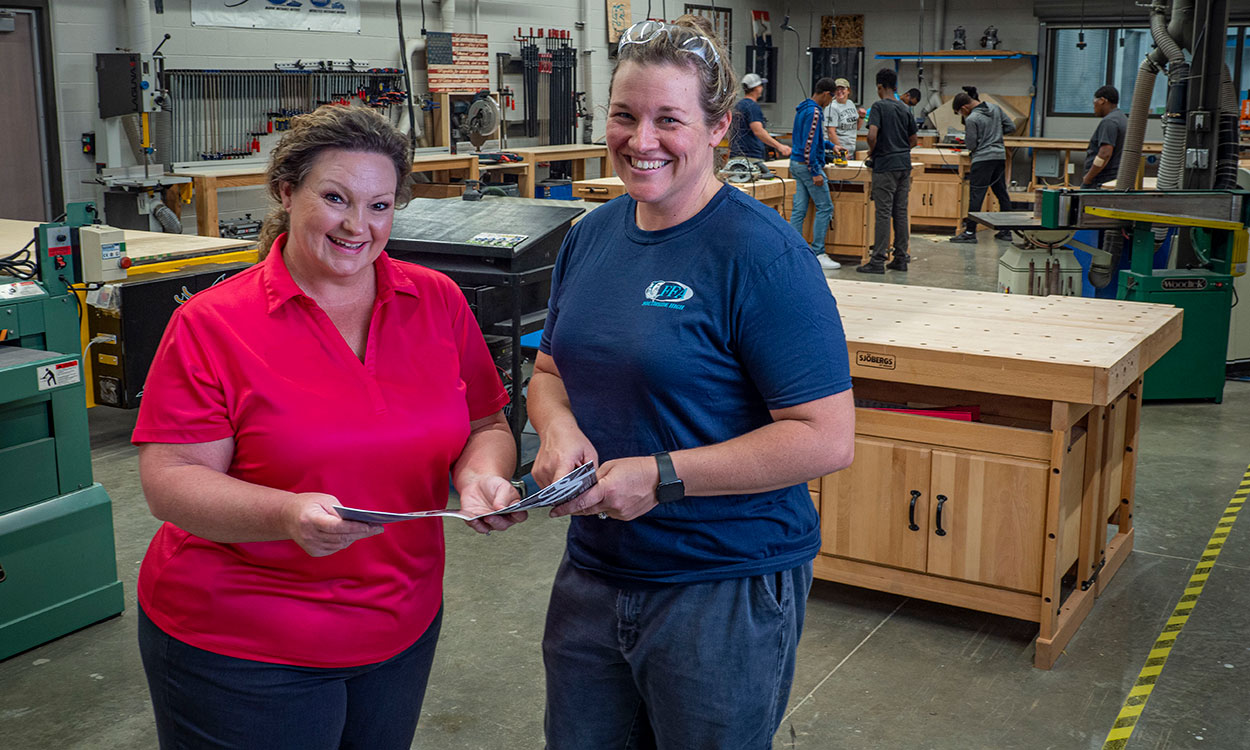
(751,80)
(842,82)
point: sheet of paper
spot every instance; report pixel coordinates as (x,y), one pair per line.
(558,492)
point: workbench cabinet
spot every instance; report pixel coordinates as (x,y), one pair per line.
(1026,512)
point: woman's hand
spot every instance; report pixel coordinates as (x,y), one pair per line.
(318,530)
(561,451)
(486,493)
(625,490)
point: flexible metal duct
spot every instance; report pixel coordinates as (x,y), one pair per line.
(166,217)
(1166,50)
(1227,150)
(1138,116)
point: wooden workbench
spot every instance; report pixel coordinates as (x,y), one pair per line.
(577,153)
(854,214)
(1066,147)
(206,180)
(775,194)
(991,514)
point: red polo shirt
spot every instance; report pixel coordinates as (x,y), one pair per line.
(256,360)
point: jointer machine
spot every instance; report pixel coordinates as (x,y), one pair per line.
(58,567)
(1216,222)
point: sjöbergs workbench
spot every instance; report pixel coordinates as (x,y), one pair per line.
(1025,513)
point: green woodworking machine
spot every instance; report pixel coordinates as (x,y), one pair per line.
(1216,221)
(58,567)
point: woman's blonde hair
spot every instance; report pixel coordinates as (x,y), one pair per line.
(717,85)
(331,126)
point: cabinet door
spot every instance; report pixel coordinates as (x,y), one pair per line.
(991,520)
(920,200)
(849,233)
(866,509)
(946,197)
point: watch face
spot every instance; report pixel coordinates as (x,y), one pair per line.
(670,491)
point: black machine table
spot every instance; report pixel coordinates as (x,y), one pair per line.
(500,253)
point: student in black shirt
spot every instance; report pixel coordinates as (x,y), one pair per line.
(1102,158)
(891,137)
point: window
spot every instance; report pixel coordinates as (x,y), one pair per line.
(1077,72)
(1131,47)
(1112,56)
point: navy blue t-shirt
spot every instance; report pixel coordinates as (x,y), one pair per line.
(743,142)
(682,338)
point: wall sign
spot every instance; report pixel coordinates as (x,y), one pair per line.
(618,19)
(295,15)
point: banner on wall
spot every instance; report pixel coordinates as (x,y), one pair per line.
(761,29)
(618,19)
(296,15)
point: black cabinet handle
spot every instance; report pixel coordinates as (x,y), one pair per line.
(941,501)
(911,511)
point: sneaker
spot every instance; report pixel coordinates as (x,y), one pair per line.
(827,263)
(897,265)
(965,237)
(1004,235)
(871,267)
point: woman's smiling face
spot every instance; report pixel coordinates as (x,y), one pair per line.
(661,146)
(341,213)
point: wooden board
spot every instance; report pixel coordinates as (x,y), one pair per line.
(142,247)
(1069,144)
(1073,349)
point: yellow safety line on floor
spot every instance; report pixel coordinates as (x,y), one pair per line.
(1135,703)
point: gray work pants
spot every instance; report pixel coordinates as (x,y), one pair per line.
(889,193)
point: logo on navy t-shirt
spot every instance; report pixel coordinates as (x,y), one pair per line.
(667,294)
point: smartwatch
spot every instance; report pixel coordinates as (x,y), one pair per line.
(670,487)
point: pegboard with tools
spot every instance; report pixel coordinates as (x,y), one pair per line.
(222,114)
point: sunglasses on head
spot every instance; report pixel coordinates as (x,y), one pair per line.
(684,39)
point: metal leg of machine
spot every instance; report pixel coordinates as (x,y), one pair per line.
(57,560)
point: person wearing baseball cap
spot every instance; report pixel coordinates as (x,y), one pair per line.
(843,119)
(747,136)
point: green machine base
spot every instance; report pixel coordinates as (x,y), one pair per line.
(58,569)
(1194,368)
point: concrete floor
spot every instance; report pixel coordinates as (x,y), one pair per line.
(874,670)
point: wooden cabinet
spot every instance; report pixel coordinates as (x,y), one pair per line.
(939,190)
(953,514)
(854,214)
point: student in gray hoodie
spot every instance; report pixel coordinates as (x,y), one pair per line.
(984,127)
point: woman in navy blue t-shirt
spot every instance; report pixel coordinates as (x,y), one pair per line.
(692,349)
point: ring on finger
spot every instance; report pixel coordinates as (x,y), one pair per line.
(603,516)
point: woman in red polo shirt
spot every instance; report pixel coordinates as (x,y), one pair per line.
(326,374)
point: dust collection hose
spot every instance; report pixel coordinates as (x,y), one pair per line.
(1166,50)
(166,217)
(1227,150)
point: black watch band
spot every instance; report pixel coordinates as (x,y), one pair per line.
(670,487)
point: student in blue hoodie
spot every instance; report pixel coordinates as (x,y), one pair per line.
(807,167)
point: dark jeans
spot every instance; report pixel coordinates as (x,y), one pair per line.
(986,175)
(206,700)
(889,193)
(698,666)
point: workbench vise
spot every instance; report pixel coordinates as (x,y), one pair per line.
(58,566)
